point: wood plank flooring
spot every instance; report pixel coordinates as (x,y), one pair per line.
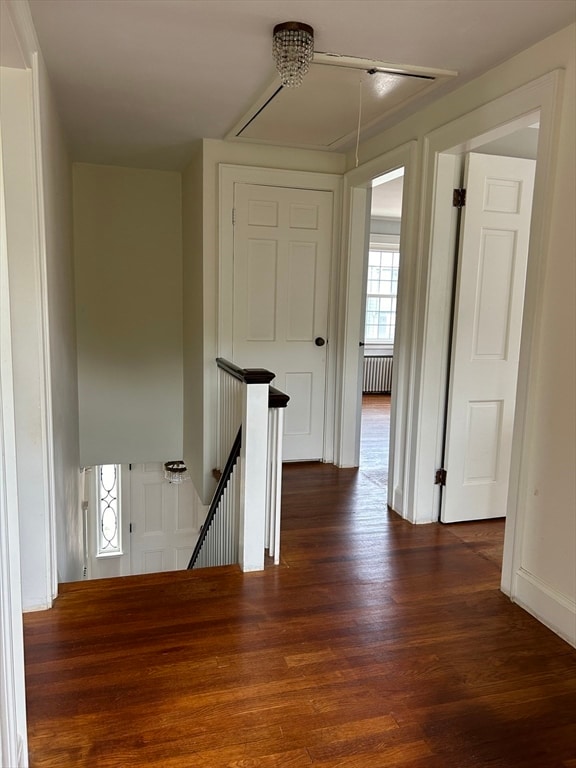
(374,644)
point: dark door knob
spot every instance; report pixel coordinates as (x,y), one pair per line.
(319,341)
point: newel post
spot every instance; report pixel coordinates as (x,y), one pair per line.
(253,464)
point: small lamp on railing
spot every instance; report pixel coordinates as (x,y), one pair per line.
(175,472)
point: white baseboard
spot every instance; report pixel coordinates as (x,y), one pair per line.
(552,608)
(38,607)
(22,752)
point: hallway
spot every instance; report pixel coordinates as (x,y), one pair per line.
(486,537)
(375,437)
(374,644)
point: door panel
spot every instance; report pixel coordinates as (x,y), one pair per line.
(262,267)
(282,259)
(492,262)
(162,520)
(301,291)
(494,300)
(483,438)
(298,419)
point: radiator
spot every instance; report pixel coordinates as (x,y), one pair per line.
(377,375)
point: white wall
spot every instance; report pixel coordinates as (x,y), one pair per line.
(544,578)
(193,285)
(384,226)
(57,193)
(200,356)
(30,364)
(40,467)
(12,685)
(522,143)
(128,270)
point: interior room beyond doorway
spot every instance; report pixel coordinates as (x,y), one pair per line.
(375,437)
(381,288)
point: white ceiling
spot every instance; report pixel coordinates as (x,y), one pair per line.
(387,199)
(10,53)
(139,81)
(323,113)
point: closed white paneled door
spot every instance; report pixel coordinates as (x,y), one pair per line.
(282,262)
(486,342)
(163,529)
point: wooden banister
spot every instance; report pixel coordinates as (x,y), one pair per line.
(246,375)
(247,400)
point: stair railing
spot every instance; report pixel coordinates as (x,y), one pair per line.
(249,488)
(218,540)
(277,402)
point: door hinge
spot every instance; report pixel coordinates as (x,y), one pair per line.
(459,198)
(233,216)
(130,527)
(130,467)
(440,477)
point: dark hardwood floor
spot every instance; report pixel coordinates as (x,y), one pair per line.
(374,644)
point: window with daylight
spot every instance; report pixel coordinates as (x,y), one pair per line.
(382,287)
(108,536)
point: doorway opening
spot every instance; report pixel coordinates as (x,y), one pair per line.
(401,164)
(489,276)
(411,492)
(380,294)
(485,325)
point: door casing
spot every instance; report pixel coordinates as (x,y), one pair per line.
(282,275)
(353,270)
(235,174)
(427,348)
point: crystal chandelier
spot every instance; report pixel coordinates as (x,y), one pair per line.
(293,50)
(175,472)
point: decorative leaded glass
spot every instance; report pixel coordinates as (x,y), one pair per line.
(108,510)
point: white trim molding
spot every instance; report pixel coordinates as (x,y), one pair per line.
(552,608)
(13,744)
(356,239)
(466,133)
(229,175)
(44,339)
(25,197)
(542,98)
(21,18)
(425,294)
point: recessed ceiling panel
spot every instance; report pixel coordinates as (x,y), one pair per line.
(323,113)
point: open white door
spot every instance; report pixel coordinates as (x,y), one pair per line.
(282,257)
(489,302)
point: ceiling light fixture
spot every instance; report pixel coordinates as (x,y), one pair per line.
(293,51)
(175,472)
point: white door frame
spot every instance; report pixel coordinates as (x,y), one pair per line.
(468,132)
(426,292)
(353,271)
(13,743)
(24,196)
(229,175)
